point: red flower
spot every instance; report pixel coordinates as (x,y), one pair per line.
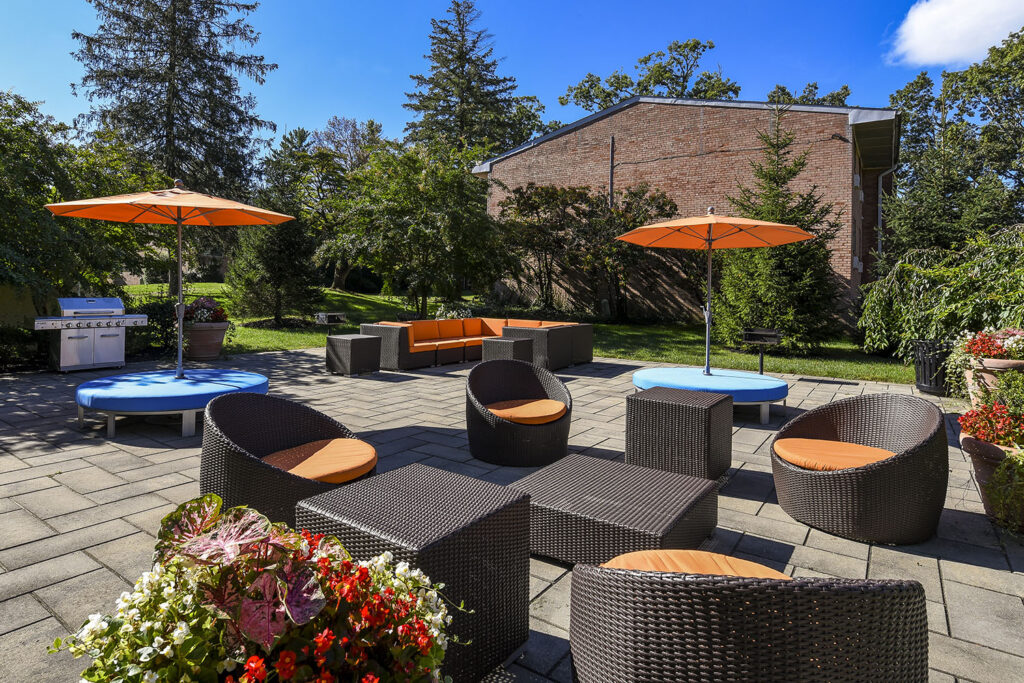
(323,641)
(985,345)
(285,665)
(255,670)
(369,678)
(325,676)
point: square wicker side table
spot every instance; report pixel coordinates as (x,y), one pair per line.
(353,354)
(506,348)
(585,509)
(471,535)
(689,432)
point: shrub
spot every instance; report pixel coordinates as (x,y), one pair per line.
(449,310)
(231,592)
(161,332)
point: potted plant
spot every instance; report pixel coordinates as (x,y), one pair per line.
(233,598)
(206,323)
(993,436)
(989,354)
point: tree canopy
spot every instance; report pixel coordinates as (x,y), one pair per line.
(671,72)
(809,95)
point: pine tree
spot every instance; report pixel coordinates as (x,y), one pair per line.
(167,73)
(463,100)
(791,288)
(272,270)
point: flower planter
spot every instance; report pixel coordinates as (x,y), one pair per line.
(984,372)
(204,341)
(985,457)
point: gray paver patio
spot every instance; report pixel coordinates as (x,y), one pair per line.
(78,511)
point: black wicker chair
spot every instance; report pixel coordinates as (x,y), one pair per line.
(897,500)
(500,441)
(661,627)
(238,430)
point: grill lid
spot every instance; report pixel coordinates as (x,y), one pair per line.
(91,306)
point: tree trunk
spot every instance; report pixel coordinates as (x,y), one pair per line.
(423,306)
(278,305)
(341,271)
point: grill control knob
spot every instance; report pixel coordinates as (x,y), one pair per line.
(78,324)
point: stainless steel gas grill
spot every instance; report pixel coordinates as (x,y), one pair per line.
(92,333)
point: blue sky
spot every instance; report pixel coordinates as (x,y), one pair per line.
(353,58)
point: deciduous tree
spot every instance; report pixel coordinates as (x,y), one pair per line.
(782,95)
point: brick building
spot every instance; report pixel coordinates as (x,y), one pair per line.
(698,152)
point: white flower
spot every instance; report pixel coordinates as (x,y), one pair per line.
(146,654)
(164,607)
(168,592)
(167,651)
(158,642)
(387,556)
(149,677)
(402,569)
(180,633)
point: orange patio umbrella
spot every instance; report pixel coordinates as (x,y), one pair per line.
(714,232)
(176,206)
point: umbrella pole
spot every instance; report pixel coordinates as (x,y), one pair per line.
(180,308)
(707,315)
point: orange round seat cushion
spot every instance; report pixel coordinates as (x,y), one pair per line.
(692,562)
(824,455)
(529,411)
(333,461)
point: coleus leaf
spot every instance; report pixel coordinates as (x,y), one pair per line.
(192,518)
(235,534)
(304,597)
(262,618)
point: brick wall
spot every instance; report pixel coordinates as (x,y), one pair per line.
(698,155)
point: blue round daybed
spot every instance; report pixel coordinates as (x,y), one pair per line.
(746,388)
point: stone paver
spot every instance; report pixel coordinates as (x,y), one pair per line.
(78,511)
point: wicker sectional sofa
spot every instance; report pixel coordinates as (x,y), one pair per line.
(422,343)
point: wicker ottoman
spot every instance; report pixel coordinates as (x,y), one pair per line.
(585,509)
(471,535)
(505,348)
(689,432)
(353,354)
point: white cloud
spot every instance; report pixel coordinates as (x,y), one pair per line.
(954,32)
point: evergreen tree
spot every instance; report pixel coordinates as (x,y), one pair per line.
(272,270)
(462,99)
(791,288)
(167,73)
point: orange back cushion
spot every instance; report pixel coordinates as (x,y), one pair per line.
(449,329)
(523,323)
(424,330)
(492,326)
(472,327)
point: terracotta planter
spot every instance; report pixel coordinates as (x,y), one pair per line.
(985,372)
(985,457)
(204,341)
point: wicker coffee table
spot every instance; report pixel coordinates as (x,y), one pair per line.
(471,535)
(353,354)
(506,348)
(677,430)
(585,509)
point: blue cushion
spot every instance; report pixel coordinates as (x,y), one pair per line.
(159,391)
(744,387)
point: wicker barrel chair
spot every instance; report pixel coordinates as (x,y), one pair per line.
(896,500)
(662,627)
(239,430)
(501,441)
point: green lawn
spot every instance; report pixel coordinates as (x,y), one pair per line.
(682,344)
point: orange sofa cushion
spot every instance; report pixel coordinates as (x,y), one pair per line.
(692,562)
(450,343)
(450,329)
(473,341)
(472,327)
(419,347)
(492,326)
(823,455)
(529,411)
(425,330)
(334,461)
(551,323)
(523,323)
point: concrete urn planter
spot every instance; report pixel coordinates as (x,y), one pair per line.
(985,457)
(204,341)
(984,372)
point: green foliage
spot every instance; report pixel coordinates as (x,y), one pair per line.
(782,95)
(462,99)
(940,293)
(1005,491)
(791,288)
(422,218)
(668,73)
(167,74)
(160,334)
(272,270)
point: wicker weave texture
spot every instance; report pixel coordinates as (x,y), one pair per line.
(585,509)
(471,535)
(689,432)
(661,627)
(897,500)
(508,348)
(502,442)
(239,430)
(353,354)
(394,348)
(552,346)
(582,343)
